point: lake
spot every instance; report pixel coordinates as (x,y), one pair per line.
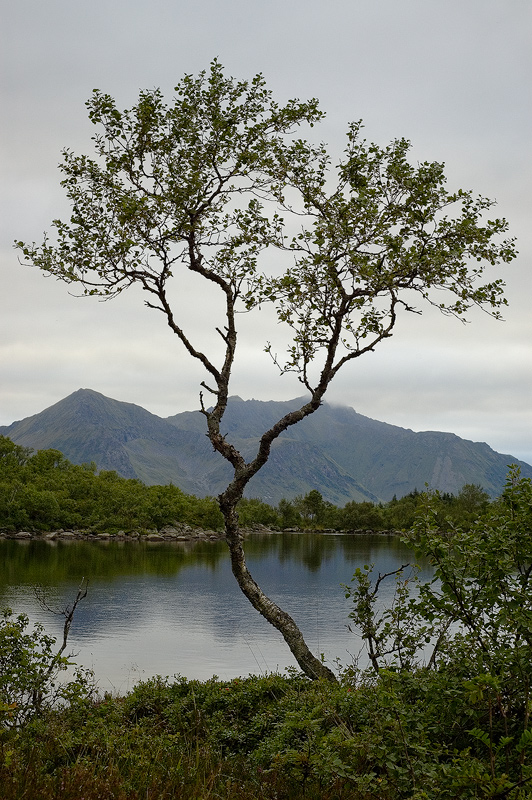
(174,608)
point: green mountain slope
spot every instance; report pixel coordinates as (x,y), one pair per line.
(343,454)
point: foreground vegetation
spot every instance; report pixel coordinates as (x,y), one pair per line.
(398,735)
(441,711)
(44,491)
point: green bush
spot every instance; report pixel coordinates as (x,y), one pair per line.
(30,670)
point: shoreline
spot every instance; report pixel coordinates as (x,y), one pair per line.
(172,533)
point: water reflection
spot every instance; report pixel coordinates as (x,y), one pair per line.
(167,608)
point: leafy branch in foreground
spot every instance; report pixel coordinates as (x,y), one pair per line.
(213,185)
(30,666)
(472,621)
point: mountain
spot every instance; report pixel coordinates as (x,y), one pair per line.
(343,454)
(87,426)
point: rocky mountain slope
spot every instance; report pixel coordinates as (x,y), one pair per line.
(345,455)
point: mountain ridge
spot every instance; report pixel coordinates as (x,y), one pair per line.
(343,454)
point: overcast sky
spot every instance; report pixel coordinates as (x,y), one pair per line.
(454,77)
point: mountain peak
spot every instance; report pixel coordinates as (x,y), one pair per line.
(343,454)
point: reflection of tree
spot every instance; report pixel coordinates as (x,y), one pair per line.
(312,549)
(52,563)
(306,548)
(49,563)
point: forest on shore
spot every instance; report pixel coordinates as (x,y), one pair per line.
(43,491)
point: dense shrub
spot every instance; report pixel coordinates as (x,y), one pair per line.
(395,735)
(31,664)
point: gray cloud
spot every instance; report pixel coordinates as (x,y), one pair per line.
(453,77)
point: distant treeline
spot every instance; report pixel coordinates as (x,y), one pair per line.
(44,491)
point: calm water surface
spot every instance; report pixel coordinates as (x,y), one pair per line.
(175,608)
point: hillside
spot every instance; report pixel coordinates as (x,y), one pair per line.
(343,454)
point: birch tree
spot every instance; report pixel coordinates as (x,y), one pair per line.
(219,183)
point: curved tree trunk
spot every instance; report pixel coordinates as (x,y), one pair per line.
(310,665)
